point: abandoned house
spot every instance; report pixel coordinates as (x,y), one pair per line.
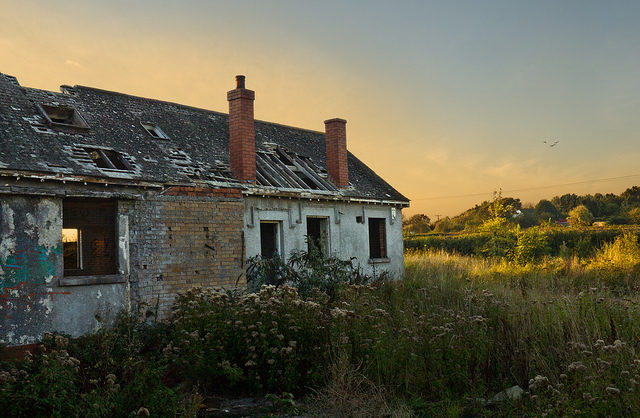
(108,201)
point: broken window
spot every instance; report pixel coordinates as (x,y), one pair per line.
(109,159)
(318,234)
(269,238)
(89,237)
(154,130)
(71,244)
(60,115)
(377,238)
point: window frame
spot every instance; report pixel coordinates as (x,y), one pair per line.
(78,248)
(382,253)
(108,159)
(120,251)
(326,240)
(153,128)
(279,240)
(77,117)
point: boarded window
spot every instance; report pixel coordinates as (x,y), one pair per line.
(89,237)
(377,238)
(318,234)
(269,239)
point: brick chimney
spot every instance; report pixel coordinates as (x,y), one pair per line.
(336,145)
(242,143)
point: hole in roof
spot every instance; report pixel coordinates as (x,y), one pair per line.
(60,115)
(104,158)
(154,130)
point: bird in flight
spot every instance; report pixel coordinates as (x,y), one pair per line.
(552,144)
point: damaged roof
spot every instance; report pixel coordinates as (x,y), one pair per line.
(91,132)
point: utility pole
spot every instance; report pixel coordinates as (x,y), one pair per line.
(438,218)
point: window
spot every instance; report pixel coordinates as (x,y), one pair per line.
(269,238)
(154,130)
(318,234)
(59,115)
(89,237)
(71,243)
(109,159)
(377,238)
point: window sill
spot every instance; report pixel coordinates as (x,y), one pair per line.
(91,280)
(379,260)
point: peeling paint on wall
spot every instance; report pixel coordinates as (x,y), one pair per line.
(30,254)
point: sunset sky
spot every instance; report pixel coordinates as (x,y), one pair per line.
(447,101)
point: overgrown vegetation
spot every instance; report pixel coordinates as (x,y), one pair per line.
(442,342)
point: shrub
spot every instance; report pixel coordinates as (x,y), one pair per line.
(45,384)
(580,216)
(271,340)
(308,271)
(532,244)
(501,238)
(634,215)
(618,260)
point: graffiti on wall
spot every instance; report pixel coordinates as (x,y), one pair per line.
(24,274)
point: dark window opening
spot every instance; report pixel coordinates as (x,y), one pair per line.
(104,158)
(154,130)
(377,238)
(318,234)
(89,237)
(268,239)
(63,116)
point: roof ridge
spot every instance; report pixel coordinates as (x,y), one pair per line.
(184,105)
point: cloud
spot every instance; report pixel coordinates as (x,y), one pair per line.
(73,63)
(438,157)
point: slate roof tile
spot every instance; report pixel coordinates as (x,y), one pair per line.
(196,152)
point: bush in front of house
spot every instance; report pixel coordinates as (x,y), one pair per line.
(308,271)
(104,374)
(233,341)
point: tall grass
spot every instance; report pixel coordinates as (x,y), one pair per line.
(461,327)
(442,342)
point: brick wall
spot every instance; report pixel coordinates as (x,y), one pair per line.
(336,148)
(187,237)
(242,147)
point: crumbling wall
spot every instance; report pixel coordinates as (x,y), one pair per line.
(184,238)
(31,264)
(167,243)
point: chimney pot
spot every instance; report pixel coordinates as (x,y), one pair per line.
(240,81)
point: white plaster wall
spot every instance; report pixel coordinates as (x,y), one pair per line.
(347,238)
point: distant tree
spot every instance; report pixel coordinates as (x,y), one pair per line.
(634,215)
(419,223)
(631,195)
(580,216)
(443,225)
(566,202)
(546,210)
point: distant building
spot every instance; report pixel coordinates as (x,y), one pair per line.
(108,201)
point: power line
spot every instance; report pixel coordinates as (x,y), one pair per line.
(528,188)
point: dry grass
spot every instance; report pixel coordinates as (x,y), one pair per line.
(350,393)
